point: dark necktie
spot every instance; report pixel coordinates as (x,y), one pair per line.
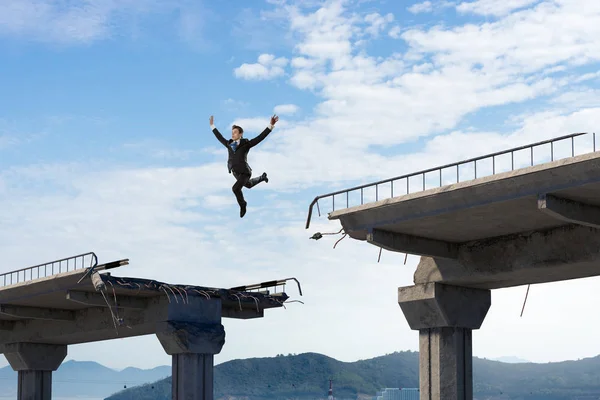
(234,145)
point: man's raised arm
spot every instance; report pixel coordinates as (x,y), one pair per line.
(218,135)
(254,141)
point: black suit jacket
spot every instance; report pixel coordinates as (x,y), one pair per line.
(237,160)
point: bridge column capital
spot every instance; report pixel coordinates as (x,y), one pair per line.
(34,356)
(34,363)
(192,334)
(436,305)
(444,315)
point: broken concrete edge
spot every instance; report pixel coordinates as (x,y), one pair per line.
(178,292)
(338,214)
(177,337)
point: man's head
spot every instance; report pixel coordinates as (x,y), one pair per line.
(236,132)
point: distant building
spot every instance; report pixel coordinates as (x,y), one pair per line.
(397,394)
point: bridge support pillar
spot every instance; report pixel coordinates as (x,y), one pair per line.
(192,335)
(34,363)
(445,316)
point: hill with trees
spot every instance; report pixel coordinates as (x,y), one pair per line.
(306,376)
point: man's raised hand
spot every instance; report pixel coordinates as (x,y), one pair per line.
(274,119)
(212,120)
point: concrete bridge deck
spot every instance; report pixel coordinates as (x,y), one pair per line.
(519,227)
(487,207)
(58,310)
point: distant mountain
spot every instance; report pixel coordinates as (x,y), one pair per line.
(510,360)
(305,376)
(86,380)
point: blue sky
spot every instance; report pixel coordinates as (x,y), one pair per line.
(105,145)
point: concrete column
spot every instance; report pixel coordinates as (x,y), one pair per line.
(444,315)
(193,376)
(192,335)
(35,363)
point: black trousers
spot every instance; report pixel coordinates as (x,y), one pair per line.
(243,180)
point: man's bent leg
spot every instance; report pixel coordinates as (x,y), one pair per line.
(255,181)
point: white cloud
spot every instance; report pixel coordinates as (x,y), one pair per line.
(234,105)
(361,92)
(519,44)
(493,7)
(51,20)
(256,125)
(377,23)
(423,7)
(584,98)
(267,67)
(86,21)
(394,32)
(11,134)
(483,65)
(286,109)
(159,150)
(220,202)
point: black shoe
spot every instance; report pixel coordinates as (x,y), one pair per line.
(243,210)
(264,177)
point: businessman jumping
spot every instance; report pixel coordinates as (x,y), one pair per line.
(237,163)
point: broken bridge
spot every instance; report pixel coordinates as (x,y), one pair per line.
(47,307)
(535,222)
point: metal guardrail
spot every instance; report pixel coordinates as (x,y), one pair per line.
(54,267)
(265,286)
(423,173)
